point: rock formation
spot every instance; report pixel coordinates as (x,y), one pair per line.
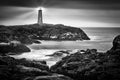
(82,65)
(116,43)
(22,69)
(13,48)
(27,33)
(59,54)
(91,65)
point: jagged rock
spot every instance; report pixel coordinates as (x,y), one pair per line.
(91,51)
(116,46)
(26,34)
(59,54)
(32,70)
(42,62)
(116,43)
(14,69)
(53,77)
(19,72)
(82,51)
(36,64)
(49,77)
(91,65)
(13,48)
(74,65)
(36,41)
(20,69)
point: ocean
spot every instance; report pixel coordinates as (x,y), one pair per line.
(101,39)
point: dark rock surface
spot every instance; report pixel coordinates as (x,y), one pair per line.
(53,77)
(83,65)
(59,53)
(13,48)
(116,46)
(36,41)
(91,65)
(22,69)
(49,77)
(116,43)
(27,33)
(35,64)
(18,69)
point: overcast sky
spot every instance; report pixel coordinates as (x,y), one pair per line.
(78,13)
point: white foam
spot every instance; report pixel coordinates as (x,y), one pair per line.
(36,54)
(94,38)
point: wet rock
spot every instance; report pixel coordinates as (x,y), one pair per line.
(36,41)
(13,48)
(20,69)
(116,43)
(116,46)
(91,65)
(42,62)
(13,69)
(31,70)
(36,64)
(59,54)
(53,77)
(82,51)
(91,51)
(19,72)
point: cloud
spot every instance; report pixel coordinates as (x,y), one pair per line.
(78,11)
(12,12)
(21,3)
(82,4)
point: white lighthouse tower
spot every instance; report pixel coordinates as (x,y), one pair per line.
(40,19)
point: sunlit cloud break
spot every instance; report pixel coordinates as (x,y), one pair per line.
(87,13)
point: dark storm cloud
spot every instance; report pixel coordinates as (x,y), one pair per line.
(105,11)
(94,4)
(87,4)
(12,12)
(23,3)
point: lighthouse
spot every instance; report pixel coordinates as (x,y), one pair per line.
(40,20)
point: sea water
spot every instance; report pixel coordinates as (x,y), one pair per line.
(101,39)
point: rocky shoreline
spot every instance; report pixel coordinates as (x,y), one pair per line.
(32,33)
(13,48)
(83,65)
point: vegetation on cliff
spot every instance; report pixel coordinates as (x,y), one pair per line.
(28,33)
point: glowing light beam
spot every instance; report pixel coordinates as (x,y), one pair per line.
(40,8)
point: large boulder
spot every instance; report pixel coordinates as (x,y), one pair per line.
(61,53)
(36,42)
(19,69)
(14,69)
(13,48)
(91,65)
(75,65)
(53,77)
(116,43)
(31,70)
(116,46)
(36,64)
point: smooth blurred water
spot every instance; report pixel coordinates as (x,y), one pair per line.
(101,39)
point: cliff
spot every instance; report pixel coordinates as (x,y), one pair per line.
(28,33)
